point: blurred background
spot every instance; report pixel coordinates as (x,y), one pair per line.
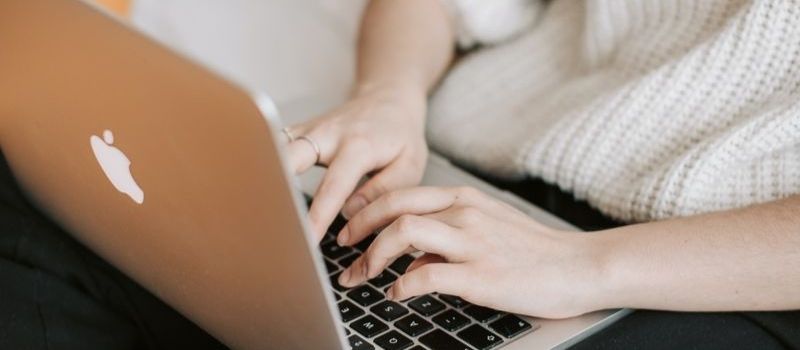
(293,50)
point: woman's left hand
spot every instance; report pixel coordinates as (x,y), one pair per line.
(478,248)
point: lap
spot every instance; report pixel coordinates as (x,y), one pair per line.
(56,294)
(646,329)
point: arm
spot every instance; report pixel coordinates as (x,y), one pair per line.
(404,47)
(403,44)
(744,259)
(491,254)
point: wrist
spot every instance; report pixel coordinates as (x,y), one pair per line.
(407,92)
(600,287)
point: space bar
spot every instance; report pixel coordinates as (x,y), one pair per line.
(439,340)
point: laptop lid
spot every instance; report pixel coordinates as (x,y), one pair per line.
(164,169)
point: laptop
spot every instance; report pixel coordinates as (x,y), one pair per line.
(178,178)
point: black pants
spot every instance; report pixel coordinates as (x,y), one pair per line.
(56,294)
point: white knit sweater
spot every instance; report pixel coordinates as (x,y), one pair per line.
(647,109)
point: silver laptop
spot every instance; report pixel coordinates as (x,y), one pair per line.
(177,177)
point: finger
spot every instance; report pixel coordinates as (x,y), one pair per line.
(408,231)
(460,216)
(397,175)
(420,201)
(303,155)
(390,206)
(443,278)
(423,260)
(338,183)
(291,132)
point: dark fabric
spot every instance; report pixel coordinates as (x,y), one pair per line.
(645,329)
(56,294)
(557,202)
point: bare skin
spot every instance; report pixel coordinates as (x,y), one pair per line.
(491,254)
(405,46)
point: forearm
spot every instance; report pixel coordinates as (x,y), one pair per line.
(405,44)
(744,259)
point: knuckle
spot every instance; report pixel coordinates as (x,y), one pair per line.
(471,192)
(406,223)
(468,215)
(392,199)
(428,275)
(321,126)
(357,143)
(467,193)
(376,188)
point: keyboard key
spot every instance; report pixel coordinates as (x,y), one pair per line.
(413,325)
(510,326)
(365,295)
(479,337)
(331,267)
(417,348)
(326,238)
(453,300)
(358,343)
(384,279)
(426,305)
(451,320)
(335,282)
(368,326)
(393,340)
(389,310)
(348,260)
(337,225)
(364,244)
(480,313)
(439,340)
(401,264)
(349,311)
(334,251)
(337,296)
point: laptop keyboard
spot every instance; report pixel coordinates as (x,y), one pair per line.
(432,321)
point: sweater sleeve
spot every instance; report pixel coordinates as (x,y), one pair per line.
(491,21)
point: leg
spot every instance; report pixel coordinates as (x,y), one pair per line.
(56,294)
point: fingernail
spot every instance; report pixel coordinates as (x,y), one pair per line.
(344,277)
(343,236)
(390,294)
(353,206)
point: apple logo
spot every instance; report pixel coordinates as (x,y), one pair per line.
(116,166)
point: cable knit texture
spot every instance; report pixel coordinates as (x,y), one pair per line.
(646,109)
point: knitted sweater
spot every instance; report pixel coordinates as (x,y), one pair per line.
(647,109)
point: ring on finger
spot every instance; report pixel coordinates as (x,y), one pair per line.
(314,145)
(288,134)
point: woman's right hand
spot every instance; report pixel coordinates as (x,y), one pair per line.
(379,132)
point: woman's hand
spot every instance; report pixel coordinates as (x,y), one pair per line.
(380,131)
(477,248)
